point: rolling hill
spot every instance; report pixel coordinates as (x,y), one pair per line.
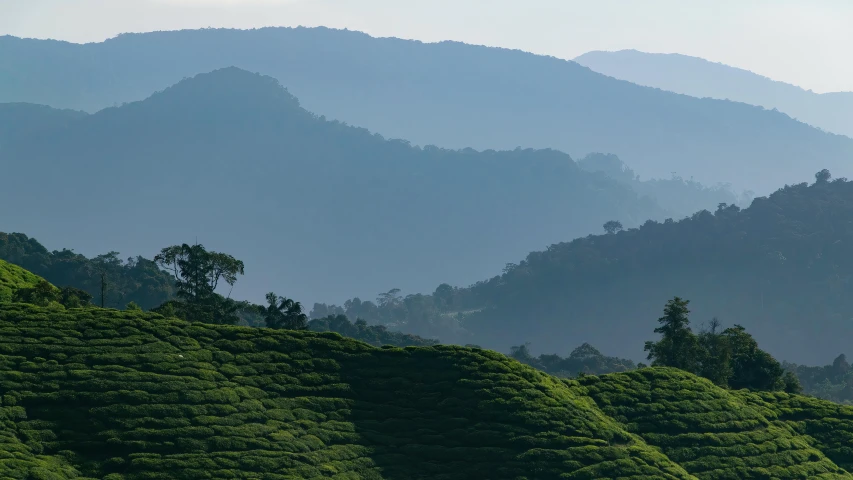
(447,94)
(314,208)
(14,278)
(92,393)
(701,78)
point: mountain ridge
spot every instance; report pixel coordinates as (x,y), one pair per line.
(231,153)
(494,99)
(703,78)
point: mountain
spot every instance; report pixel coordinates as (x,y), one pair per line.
(447,94)
(781,268)
(94,393)
(701,78)
(314,208)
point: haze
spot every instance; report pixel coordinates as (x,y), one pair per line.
(802,43)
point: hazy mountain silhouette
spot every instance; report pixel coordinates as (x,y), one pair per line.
(694,76)
(315,208)
(781,268)
(448,94)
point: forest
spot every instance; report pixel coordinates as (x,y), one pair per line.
(779,267)
(729,357)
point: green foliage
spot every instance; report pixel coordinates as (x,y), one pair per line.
(92,393)
(13,279)
(583,360)
(730,358)
(831,382)
(780,268)
(678,346)
(282,312)
(197,274)
(134,280)
(719,434)
(377,335)
(41,294)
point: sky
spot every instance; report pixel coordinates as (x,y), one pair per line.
(805,42)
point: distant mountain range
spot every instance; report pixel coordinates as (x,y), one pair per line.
(448,94)
(697,77)
(317,209)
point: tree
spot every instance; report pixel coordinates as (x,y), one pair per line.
(283,313)
(612,227)
(197,274)
(791,383)
(389,298)
(752,367)
(42,294)
(72,297)
(678,346)
(715,355)
(822,176)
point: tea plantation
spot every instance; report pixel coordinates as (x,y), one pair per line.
(13,278)
(93,393)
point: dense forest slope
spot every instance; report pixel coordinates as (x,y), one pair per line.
(697,77)
(136,280)
(92,393)
(448,94)
(781,268)
(314,208)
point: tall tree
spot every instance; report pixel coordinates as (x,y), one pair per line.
(284,313)
(716,355)
(197,275)
(752,367)
(678,346)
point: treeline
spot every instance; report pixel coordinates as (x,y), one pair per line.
(377,335)
(681,197)
(583,360)
(440,314)
(829,382)
(108,279)
(728,357)
(781,268)
(189,277)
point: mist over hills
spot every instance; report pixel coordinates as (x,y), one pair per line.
(781,268)
(448,94)
(697,77)
(315,208)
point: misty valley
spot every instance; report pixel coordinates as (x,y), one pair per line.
(305,253)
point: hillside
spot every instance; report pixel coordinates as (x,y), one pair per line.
(13,278)
(781,268)
(230,156)
(136,280)
(697,77)
(118,395)
(447,94)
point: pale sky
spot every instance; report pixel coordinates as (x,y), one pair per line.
(807,42)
